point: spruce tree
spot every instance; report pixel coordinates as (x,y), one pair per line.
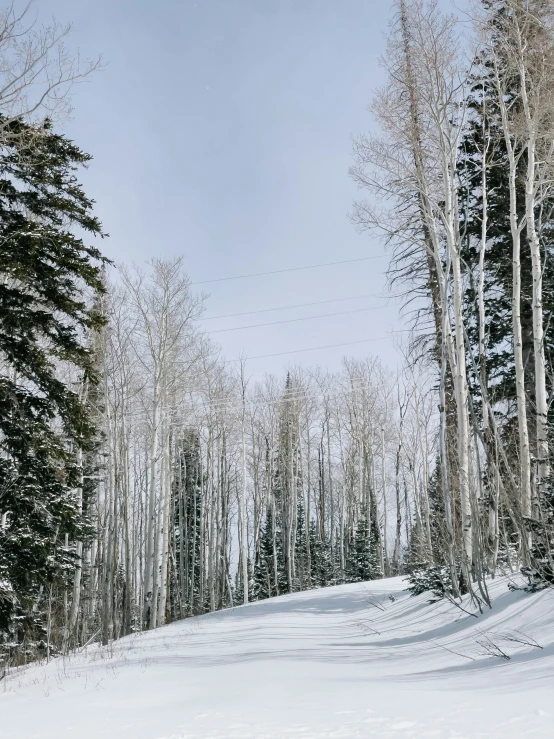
(269,570)
(484,130)
(48,278)
(187,515)
(281,564)
(324,570)
(363,560)
(302,580)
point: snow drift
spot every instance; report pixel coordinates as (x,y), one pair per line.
(352,661)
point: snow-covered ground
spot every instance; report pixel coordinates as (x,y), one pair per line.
(346,662)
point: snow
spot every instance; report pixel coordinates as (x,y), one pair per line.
(345,662)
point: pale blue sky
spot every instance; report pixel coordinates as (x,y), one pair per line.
(220,130)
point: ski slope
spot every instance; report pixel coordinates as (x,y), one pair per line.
(344,662)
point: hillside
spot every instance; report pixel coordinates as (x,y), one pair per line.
(346,662)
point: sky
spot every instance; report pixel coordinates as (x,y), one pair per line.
(221,131)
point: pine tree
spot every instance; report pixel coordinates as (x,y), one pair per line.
(48,277)
(281,566)
(269,570)
(302,580)
(496,374)
(238,595)
(363,559)
(484,130)
(417,554)
(324,568)
(287,490)
(187,515)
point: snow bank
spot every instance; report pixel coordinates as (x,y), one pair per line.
(354,661)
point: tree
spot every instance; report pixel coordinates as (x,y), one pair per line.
(187,515)
(414,167)
(165,344)
(324,570)
(269,570)
(36,70)
(48,279)
(363,560)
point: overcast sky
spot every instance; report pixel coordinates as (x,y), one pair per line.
(221,130)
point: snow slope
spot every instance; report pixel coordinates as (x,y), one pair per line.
(342,662)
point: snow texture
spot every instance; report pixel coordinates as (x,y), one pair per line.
(350,662)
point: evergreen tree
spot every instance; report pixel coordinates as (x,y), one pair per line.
(48,277)
(269,571)
(484,131)
(281,566)
(238,595)
(418,556)
(287,490)
(324,569)
(363,560)
(187,512)
(302,580)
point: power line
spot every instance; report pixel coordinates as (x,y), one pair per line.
(316,348)
(294,320)
(304,393)
(296,351)
(298,305)
(280,271)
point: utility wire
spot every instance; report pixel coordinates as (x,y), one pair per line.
(301,392)
(298,305)
(280,271)
(206,403)
(296,351)
(294,320)
(316,348)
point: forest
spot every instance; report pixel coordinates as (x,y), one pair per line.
(145,477)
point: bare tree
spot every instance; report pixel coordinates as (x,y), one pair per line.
(166,311)
(421,113)
(37,70)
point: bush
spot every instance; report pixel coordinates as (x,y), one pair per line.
(435,579)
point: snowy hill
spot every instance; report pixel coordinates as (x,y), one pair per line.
(346,662)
